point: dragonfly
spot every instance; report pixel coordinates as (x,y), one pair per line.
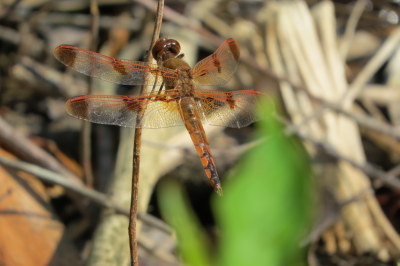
(176,95)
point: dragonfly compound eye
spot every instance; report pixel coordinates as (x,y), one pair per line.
(173,46)
(164,47)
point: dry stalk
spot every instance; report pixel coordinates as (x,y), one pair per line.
(137,147)
(87,127)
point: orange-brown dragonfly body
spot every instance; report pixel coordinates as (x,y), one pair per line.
(177,100)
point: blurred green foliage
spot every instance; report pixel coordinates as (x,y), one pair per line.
(267,205)
(265,210)
(176,211)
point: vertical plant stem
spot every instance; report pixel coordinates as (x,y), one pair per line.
(137,148)
(87,127)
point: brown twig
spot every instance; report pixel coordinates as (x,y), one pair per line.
(361,119)
(59,179)
(87,127)
(388,178)
(67,183)
(82,20)
(27,150)
(210,39)
(137,148)
(95,24)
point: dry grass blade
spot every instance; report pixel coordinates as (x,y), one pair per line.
(384,53)
(57,179)
(97,197)
(351,27)
(28,151)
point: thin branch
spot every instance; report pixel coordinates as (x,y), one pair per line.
(351,27)
(87,127)
(95,24)
(210,39)
(68,183)
(82,20)
(386,178)
(24,148)
(360,119)
(59,179)
(137,148)
(381,56)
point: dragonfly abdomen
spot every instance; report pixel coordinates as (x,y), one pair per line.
(192,121)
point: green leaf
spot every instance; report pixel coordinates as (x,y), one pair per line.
(267,205)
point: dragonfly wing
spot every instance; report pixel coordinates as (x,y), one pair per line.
(217,68)
(162,114)
(230,109)
(123,110)
(110,69)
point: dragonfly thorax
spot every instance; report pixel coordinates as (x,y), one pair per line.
(176,63)
(183,71)
(184,84)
